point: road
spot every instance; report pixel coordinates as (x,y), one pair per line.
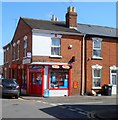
(60,107)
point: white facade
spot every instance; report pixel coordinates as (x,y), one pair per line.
(41,44)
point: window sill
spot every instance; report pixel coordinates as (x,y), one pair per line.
(55,56)
(17,59)
(97,58)
(96,88)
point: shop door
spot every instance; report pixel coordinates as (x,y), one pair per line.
(36,83)
(113,81)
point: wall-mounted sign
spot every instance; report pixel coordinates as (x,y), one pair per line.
(55,66)
(26,61)
(29,55)
(65,67)
(36,67)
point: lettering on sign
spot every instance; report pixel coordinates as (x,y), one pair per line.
(26,61)
(66,67)
(55,66)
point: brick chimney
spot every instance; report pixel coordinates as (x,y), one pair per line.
(71,17)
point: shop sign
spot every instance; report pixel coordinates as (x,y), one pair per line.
(55,66)
(29,54)
(65,67)
(26,61)
(35,67)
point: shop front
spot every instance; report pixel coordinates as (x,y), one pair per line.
(49,80)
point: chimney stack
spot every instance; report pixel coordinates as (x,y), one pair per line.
(71,17)
(54,18)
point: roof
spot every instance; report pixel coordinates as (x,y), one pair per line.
(48,25)
(97,30)
(61,26)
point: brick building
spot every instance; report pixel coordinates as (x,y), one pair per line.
(61,58)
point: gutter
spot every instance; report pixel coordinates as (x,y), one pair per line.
(55,32)
(83,65)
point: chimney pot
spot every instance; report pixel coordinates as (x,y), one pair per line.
(54,18)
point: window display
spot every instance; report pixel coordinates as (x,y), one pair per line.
(58,78)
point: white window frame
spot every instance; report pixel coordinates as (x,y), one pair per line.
(18,49)
(14,52)
(96,67)
(25,47)
(52,46)
(99,49)
(5,55)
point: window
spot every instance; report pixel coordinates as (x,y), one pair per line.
(96,77)
(5,55)
(25,46)
(97,47)
(14,52)
(58,78)
(55,47)
(18,48)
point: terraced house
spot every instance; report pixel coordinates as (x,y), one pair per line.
(55,58)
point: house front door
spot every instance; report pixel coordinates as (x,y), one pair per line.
(113,81)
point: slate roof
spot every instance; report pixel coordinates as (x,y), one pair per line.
(97,30)
(48,25)
(61,26)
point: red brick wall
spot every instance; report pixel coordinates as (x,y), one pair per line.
(67,54)
(22,31)
(109,59)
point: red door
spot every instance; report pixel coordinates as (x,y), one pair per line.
(36,83)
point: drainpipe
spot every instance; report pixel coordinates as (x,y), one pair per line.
(83,65)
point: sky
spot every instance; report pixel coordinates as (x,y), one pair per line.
(94,13)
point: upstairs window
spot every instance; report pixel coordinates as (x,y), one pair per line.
(14,52)
(97,47)
(55,47)
(18,49)
(25,46)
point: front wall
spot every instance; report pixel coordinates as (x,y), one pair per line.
(109,59)
(67,54)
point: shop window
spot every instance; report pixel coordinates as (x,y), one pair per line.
(23,77)
(58,78)
(55,47)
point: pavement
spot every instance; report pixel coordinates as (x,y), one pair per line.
(98,115)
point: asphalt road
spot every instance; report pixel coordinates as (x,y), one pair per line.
(68,107)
